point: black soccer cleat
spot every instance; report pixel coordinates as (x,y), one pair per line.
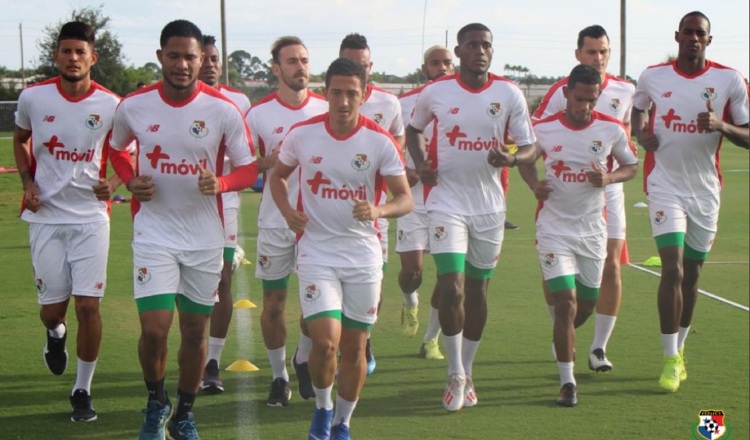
(54,353)
(568,395)
(279,393)
(304,382)
(82,409)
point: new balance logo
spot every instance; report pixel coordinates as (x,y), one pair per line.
(557,148)
(316,159)
(153,128)
(278,130)
(453,111)
(49,118)
(666,94)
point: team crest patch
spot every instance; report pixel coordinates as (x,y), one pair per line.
(615,104)
(143,276)
(596,147)
(360,162)
(660,217)
(311,293)
(709,93)
(378,117)
(401,235)
(94,122)
(549,260)
(494,110)
(440,233)
(711,425)
(41,288)
(199,129)
(264,262)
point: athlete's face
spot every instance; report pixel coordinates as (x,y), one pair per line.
(74,59)
(361,56)
(439,63)
(693,38)
(344,94)
(475,52)
(211,69)
(293,69)
(595,52)
(181,59)
(581,100)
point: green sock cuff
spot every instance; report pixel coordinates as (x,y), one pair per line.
(157,302)
(565,282)
(449,263)
(185,304)
(477,273)
(281,284)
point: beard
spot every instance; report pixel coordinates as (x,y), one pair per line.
(180,86)
(73,78)
(294,84)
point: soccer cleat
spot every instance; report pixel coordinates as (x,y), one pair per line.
(409,321)
(453,397)
(371,364)
(470,394)
(82,409)
(598,361)
(212,383)
(431,350)
(184,429)
(683,370)
(54,353)
(279,393)
(239,257)
(670,373)
(156,419)
(320,428)
(304,383)
(510,226)
(568,395)
(340,432)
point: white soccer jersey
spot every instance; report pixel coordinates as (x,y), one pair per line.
(231,200)
(575,207)
(383,107)
(333,171)
(687,160)
(270,120)
(67,150)
(469,123)
(408,101)
(174,139)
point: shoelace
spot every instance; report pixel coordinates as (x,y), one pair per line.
(153,419)
(187,429)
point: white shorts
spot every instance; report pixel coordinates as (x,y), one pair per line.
(194,274)
(69,259)
(697,217)
(355,291)
(276,248)
(383,228)
(562,255)
(479,237)
(616,221)
(230,228)
(413,232)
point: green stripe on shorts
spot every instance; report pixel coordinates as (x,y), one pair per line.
(164,301)
(229,254)
(449,263)
(670,239)
(586,292)
(565,282)
(692,254)
(477,273)
(352,324)
(282,284)
(185,304)
(335,314)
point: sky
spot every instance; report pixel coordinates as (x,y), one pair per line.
(538,34)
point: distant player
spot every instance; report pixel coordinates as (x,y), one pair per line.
(343,160)
(270,120)
(221,316)
(694,104)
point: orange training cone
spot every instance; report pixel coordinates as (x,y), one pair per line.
(624,257)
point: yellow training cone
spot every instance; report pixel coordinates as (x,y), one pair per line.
(242,366)
(246,261)
(244,304)
(652,262)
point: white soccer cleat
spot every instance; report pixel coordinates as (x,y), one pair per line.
(470,394)
(239,257)
(453,398)
(598,361)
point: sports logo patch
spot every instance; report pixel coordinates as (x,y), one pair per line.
(596,147)
(709,93)
(401,235)
(711,425)
(494,110)
(440,233)
(94,122)
(549,260)
(378,117)
(143,276)
(199,129)
(311,293)
(264,262)
(660,217)
(615,104)
(41,288)
(360,162)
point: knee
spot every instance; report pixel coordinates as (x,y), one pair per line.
(324,346)
(672,273)
(87,308)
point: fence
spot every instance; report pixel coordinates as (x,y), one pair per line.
(7,116)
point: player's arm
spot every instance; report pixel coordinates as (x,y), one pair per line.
(709,121)
(401,203)
(278,183)
(22,154)
(529,173)
(416,146)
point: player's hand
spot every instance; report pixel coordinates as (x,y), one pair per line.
(427,174)
(102,190)
(296,221)
(542,189)
(412,176)
(364,210)
(142,188)
(708,121)
(648,141)
(31,197)
(597,176)
(208,183)
(500,157)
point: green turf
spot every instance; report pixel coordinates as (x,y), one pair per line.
(515,376)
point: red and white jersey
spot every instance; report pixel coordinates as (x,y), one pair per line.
(231,200)
(383,107)
(67,150)
(270,120)
(408,101)
(333,171)
(175,139)
(470,122)
(575,207)
(687,160)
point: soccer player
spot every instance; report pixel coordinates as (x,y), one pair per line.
(58,143)
(184,129)
(616,100)
(221,316)
(343,160)
(571,231)
(412,236)
(682,136)
(382,107)
(269,121)
(465,202)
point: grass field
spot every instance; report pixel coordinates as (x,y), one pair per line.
(515,376)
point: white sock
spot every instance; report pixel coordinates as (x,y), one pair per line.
(468,353)
(433,325)
(277,358)
(669,342)
(84,375)
(551,312)
(566,373)
(453,352)
(411,299)
(343,413)
(303,349)
(682,333)
(323,397)
(602,331)
(215,348)
(57,332)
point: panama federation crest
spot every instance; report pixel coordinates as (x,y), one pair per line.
(615,104)
(94,122)
(198,129)
(378,117)
(311,293)
(264,262)
(360,162)
(41,288)
(440,233)
(709,93)
(549,260)
(596,147)
(142,276)
(711,426)
(660,217)
(494,110)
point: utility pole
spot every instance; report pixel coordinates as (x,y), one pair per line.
(623,39)
(23,73)
(224,64)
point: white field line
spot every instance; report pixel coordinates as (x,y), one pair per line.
(701,291)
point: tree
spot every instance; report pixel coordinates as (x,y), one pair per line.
(249,67)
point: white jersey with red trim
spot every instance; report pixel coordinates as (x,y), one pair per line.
(174,141)
(333,171)
(231,200)
(687,160)
(575,207)
(470,122)
(270,120)
(383,107)
(408,101)
(67,150)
